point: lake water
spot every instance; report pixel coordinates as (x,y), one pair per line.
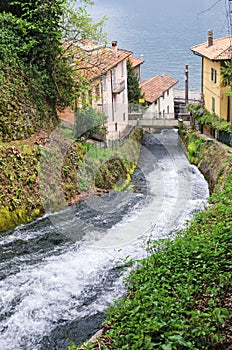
(162,32)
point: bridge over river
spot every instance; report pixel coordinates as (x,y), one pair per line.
(154,123)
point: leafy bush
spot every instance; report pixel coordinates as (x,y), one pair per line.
(203,117)
(88,121)
(173,299)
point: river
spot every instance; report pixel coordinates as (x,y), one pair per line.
(60,272)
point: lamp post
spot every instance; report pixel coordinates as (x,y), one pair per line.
(186,85)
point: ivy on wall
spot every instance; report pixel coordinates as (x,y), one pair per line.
(203,117)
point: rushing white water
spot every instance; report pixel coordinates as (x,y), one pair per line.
(64,268)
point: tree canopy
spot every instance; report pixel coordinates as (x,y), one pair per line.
(134,90)
(34,64)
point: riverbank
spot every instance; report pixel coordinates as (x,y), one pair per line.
(180,296)
(33,174)
(209,155)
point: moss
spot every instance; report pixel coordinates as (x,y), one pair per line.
(208,155)
(10,219)
(22,179)
(112,173)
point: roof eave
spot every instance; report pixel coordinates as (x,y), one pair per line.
(197,53)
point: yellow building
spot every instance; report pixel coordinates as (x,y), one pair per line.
(214,53)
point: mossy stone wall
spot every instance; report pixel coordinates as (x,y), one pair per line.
(21,177)
(210,156)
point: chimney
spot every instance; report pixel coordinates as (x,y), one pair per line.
(115,48)
(210,38)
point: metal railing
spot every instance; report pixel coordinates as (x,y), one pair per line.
(117,140)
(225,137)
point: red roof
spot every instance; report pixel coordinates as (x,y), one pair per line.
(93,61)
(221,49)
(155,87)
(135,62)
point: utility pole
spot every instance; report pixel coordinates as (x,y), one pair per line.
(186,85)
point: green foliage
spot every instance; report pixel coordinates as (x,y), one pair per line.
(175,297)
(203,117)
(36,26)
(20,215)
(109,169)
(226,73)
(209,156)
(78,25)
(194,148)
(88,121)
(134,90)
(25,174)
(36,77)
(72,346)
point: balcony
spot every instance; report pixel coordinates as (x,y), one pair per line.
(118,87)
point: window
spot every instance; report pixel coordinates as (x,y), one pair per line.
(124,116)
(213,75)
(167,92)
(168,109)
(213,104)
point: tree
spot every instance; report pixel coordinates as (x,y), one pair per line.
(33,58)
(36,27)
(226,69)
(78,25)
(88,121)
(78,29)
(134,90)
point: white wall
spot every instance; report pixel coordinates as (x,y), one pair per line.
(163,107)
(116,105)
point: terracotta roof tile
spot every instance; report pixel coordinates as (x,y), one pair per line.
(155,87)
(94,62)
(135,61)
(220,50)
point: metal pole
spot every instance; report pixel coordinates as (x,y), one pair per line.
(186,85)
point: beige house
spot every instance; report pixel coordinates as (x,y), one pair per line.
(214,54)
(158,93)
(105,68)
